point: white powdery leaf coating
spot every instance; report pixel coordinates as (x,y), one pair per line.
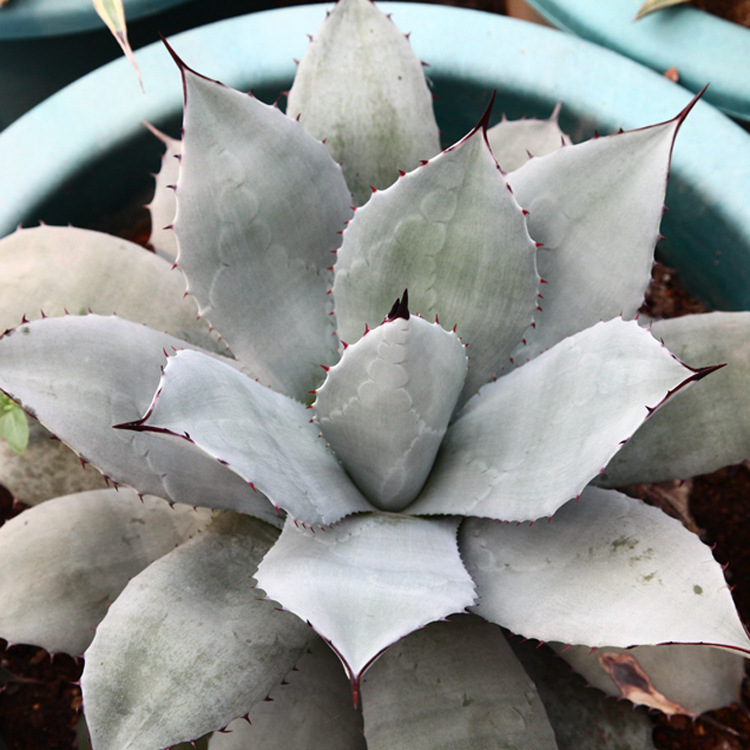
(671,678)
(607,570)
(264,437)
(712,421)
(65,561)
(596,208)
(260,205)
(532,440)
(514,142)
(452,233)
(190,644)
(54,270)
(163,205)
(368,581)
(361,89)
(385,406)
(311,709)
(454,685)
(81,375)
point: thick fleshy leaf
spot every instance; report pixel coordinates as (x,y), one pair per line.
(607,570)
(46,469)
(190,644)
(514,142)
(65,561)
(452,233)
(53,270)
(712,421)
(263,436)
(368,581)
(583,719)
(81,375)
(534,439)
(260,205)
(674,679)
(361,89)
(163,205)
(455,685)
(312,709)
(385,406)
(596,207)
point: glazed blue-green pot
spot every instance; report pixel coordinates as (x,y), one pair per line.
(703,48)
(84,151)
(26,19)
(46,44)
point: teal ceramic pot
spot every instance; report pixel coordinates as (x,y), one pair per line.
(84,151)
(702,47)
(46,44)
(26,19)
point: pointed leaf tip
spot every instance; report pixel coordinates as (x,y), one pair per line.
(181,64)
(385,406)
(400,308)
(689,106)
(248,246)
(359,600)
(483,124)
(701,372)
(484,121)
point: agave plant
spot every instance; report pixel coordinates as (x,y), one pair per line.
(417,411)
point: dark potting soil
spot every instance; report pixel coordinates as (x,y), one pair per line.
(39,700)
(716,507)
(737,11)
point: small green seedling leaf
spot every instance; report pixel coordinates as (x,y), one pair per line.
(14,426)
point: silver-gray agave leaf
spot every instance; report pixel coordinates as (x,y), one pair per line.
(413,475)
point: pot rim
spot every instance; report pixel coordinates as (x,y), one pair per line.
(28,19)
(74,128)
(702,47)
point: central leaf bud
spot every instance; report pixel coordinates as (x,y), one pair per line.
(385,407)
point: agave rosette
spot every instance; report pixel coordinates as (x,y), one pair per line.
(486,394)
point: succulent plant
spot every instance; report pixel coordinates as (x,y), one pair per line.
(457,454)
